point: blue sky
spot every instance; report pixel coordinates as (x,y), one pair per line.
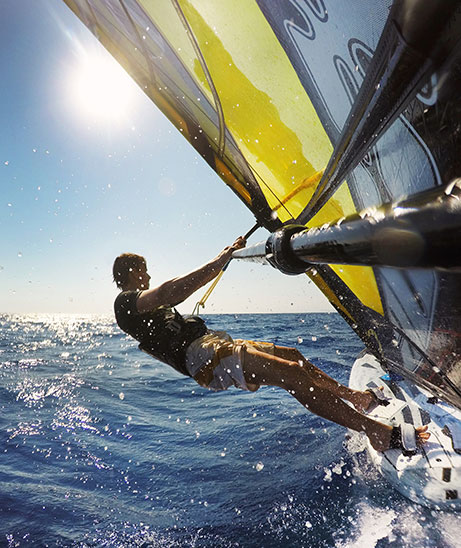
(77,188)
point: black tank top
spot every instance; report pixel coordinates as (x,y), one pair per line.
(163,333)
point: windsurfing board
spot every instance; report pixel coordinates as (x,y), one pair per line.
(432,476)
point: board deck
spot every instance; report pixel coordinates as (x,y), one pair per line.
(433,475)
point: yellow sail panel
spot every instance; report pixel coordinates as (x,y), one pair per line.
(314,275)
(262,113)
(338,206)
(272,120)
(232,181)
(164,14)
(361,280)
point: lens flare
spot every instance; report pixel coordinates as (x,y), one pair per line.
(101,90)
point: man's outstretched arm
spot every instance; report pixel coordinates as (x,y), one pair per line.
(178,289)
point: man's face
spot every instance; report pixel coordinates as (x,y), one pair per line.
(142,277)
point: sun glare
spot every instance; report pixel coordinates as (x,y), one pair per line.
(102,90)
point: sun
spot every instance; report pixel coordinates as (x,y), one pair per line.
(101,90)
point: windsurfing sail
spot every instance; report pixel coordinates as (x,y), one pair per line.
(312,111)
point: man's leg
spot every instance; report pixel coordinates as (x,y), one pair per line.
(314,394)
(360,400)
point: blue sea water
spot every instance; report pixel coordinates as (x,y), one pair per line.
(100,445)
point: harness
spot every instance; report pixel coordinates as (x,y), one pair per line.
(162,333)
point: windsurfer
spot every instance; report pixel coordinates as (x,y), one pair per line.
(216,361)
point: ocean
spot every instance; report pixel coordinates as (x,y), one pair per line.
(103,446)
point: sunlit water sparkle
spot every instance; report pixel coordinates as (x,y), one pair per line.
(103,446)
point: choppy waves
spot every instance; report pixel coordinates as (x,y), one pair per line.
(103,446)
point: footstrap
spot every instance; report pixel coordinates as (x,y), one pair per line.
(408,434)
(454,432)
(403,437)
(378,395)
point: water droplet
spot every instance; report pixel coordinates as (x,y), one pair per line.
(259,466)
(338,468)
(121,396)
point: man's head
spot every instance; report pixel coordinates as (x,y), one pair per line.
(130,272)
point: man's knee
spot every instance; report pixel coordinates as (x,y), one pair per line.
(297,354)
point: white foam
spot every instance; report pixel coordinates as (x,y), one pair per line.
(372,525)
(450,527)
(405,522)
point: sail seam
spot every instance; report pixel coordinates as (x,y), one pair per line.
(140,42)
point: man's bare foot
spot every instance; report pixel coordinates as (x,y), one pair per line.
(362,401)
(384,443)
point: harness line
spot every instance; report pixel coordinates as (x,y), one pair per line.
(202,301)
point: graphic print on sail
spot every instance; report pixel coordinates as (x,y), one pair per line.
(413,300)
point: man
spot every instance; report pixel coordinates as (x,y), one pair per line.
(217,362)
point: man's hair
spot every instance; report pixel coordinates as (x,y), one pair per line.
(123,265)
